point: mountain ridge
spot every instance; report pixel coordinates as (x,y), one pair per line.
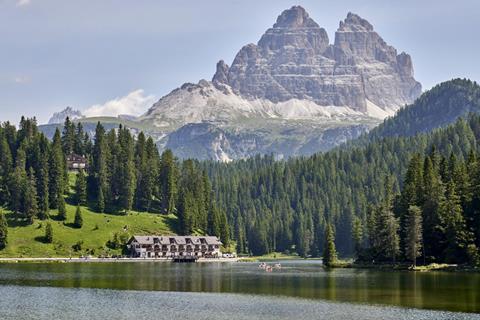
(287,92)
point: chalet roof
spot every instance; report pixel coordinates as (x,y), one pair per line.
(143,239)
(212,240)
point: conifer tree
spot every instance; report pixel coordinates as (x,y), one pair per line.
(62,210)
(56,171)
(224,229)
(98,175)
(78,221)
(6,165)
(81,188)
(168,181)
(434,196)
(357,235)
(79,140)
(3,231)
(43,187)
(126,169)
(143,194)
(68,136)
(413,232)
(30,206)
(100,201)
(48,233)
(457,235)
(329,252)
(18,183)
(186,212)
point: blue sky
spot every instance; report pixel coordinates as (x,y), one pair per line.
(108,53)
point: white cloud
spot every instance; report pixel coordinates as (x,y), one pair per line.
(23,3)
(135,103)
(21,79)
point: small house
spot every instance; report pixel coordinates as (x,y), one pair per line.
(76,162)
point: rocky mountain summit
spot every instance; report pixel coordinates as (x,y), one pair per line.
(292,93)
(59,117)
(295,60)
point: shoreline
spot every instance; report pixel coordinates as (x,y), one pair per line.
(106,260)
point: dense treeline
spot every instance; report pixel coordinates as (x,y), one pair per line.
(438,107)
(286,205)
(124,173)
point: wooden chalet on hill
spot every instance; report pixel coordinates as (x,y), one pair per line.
(76,162)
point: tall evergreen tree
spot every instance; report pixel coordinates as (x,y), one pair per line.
(80,188)
(30,198)
(79,140)
(18,183)
(126,171)
(6,166)
(56,171)
(458,237)
(329,252)
(68,136)
(357,235)
(168,181)
(43,185)
(98,174)
(434,195)
(413,232)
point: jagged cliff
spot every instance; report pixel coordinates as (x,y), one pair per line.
(292,79)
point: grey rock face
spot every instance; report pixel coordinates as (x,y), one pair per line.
(294,60)
(293,93)
(223,143)
(60,117)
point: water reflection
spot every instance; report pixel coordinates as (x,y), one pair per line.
(304,279)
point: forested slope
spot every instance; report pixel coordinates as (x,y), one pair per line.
(438,107)
(284,205)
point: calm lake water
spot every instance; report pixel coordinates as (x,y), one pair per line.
(301,290)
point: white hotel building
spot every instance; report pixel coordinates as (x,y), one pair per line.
(174,246)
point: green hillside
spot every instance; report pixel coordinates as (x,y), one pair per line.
(436,108)
(28,240)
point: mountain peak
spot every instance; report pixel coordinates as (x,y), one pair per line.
(295,17)
(68,112)
(354,22)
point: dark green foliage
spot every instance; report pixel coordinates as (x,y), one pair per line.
(283,205)
(413,234)
(68,137)
(100,201)
(329,252)
(77,246)
(168,177)
(118,242)
(30,206)
(57,171)
(80,188)
(453,99)
(62,210)
(78,221)
(357,236)
(48,233)
(3,231)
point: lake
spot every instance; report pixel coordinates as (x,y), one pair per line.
(162,290)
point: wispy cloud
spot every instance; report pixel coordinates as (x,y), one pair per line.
(21,79)
(135,103)
(23,3)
